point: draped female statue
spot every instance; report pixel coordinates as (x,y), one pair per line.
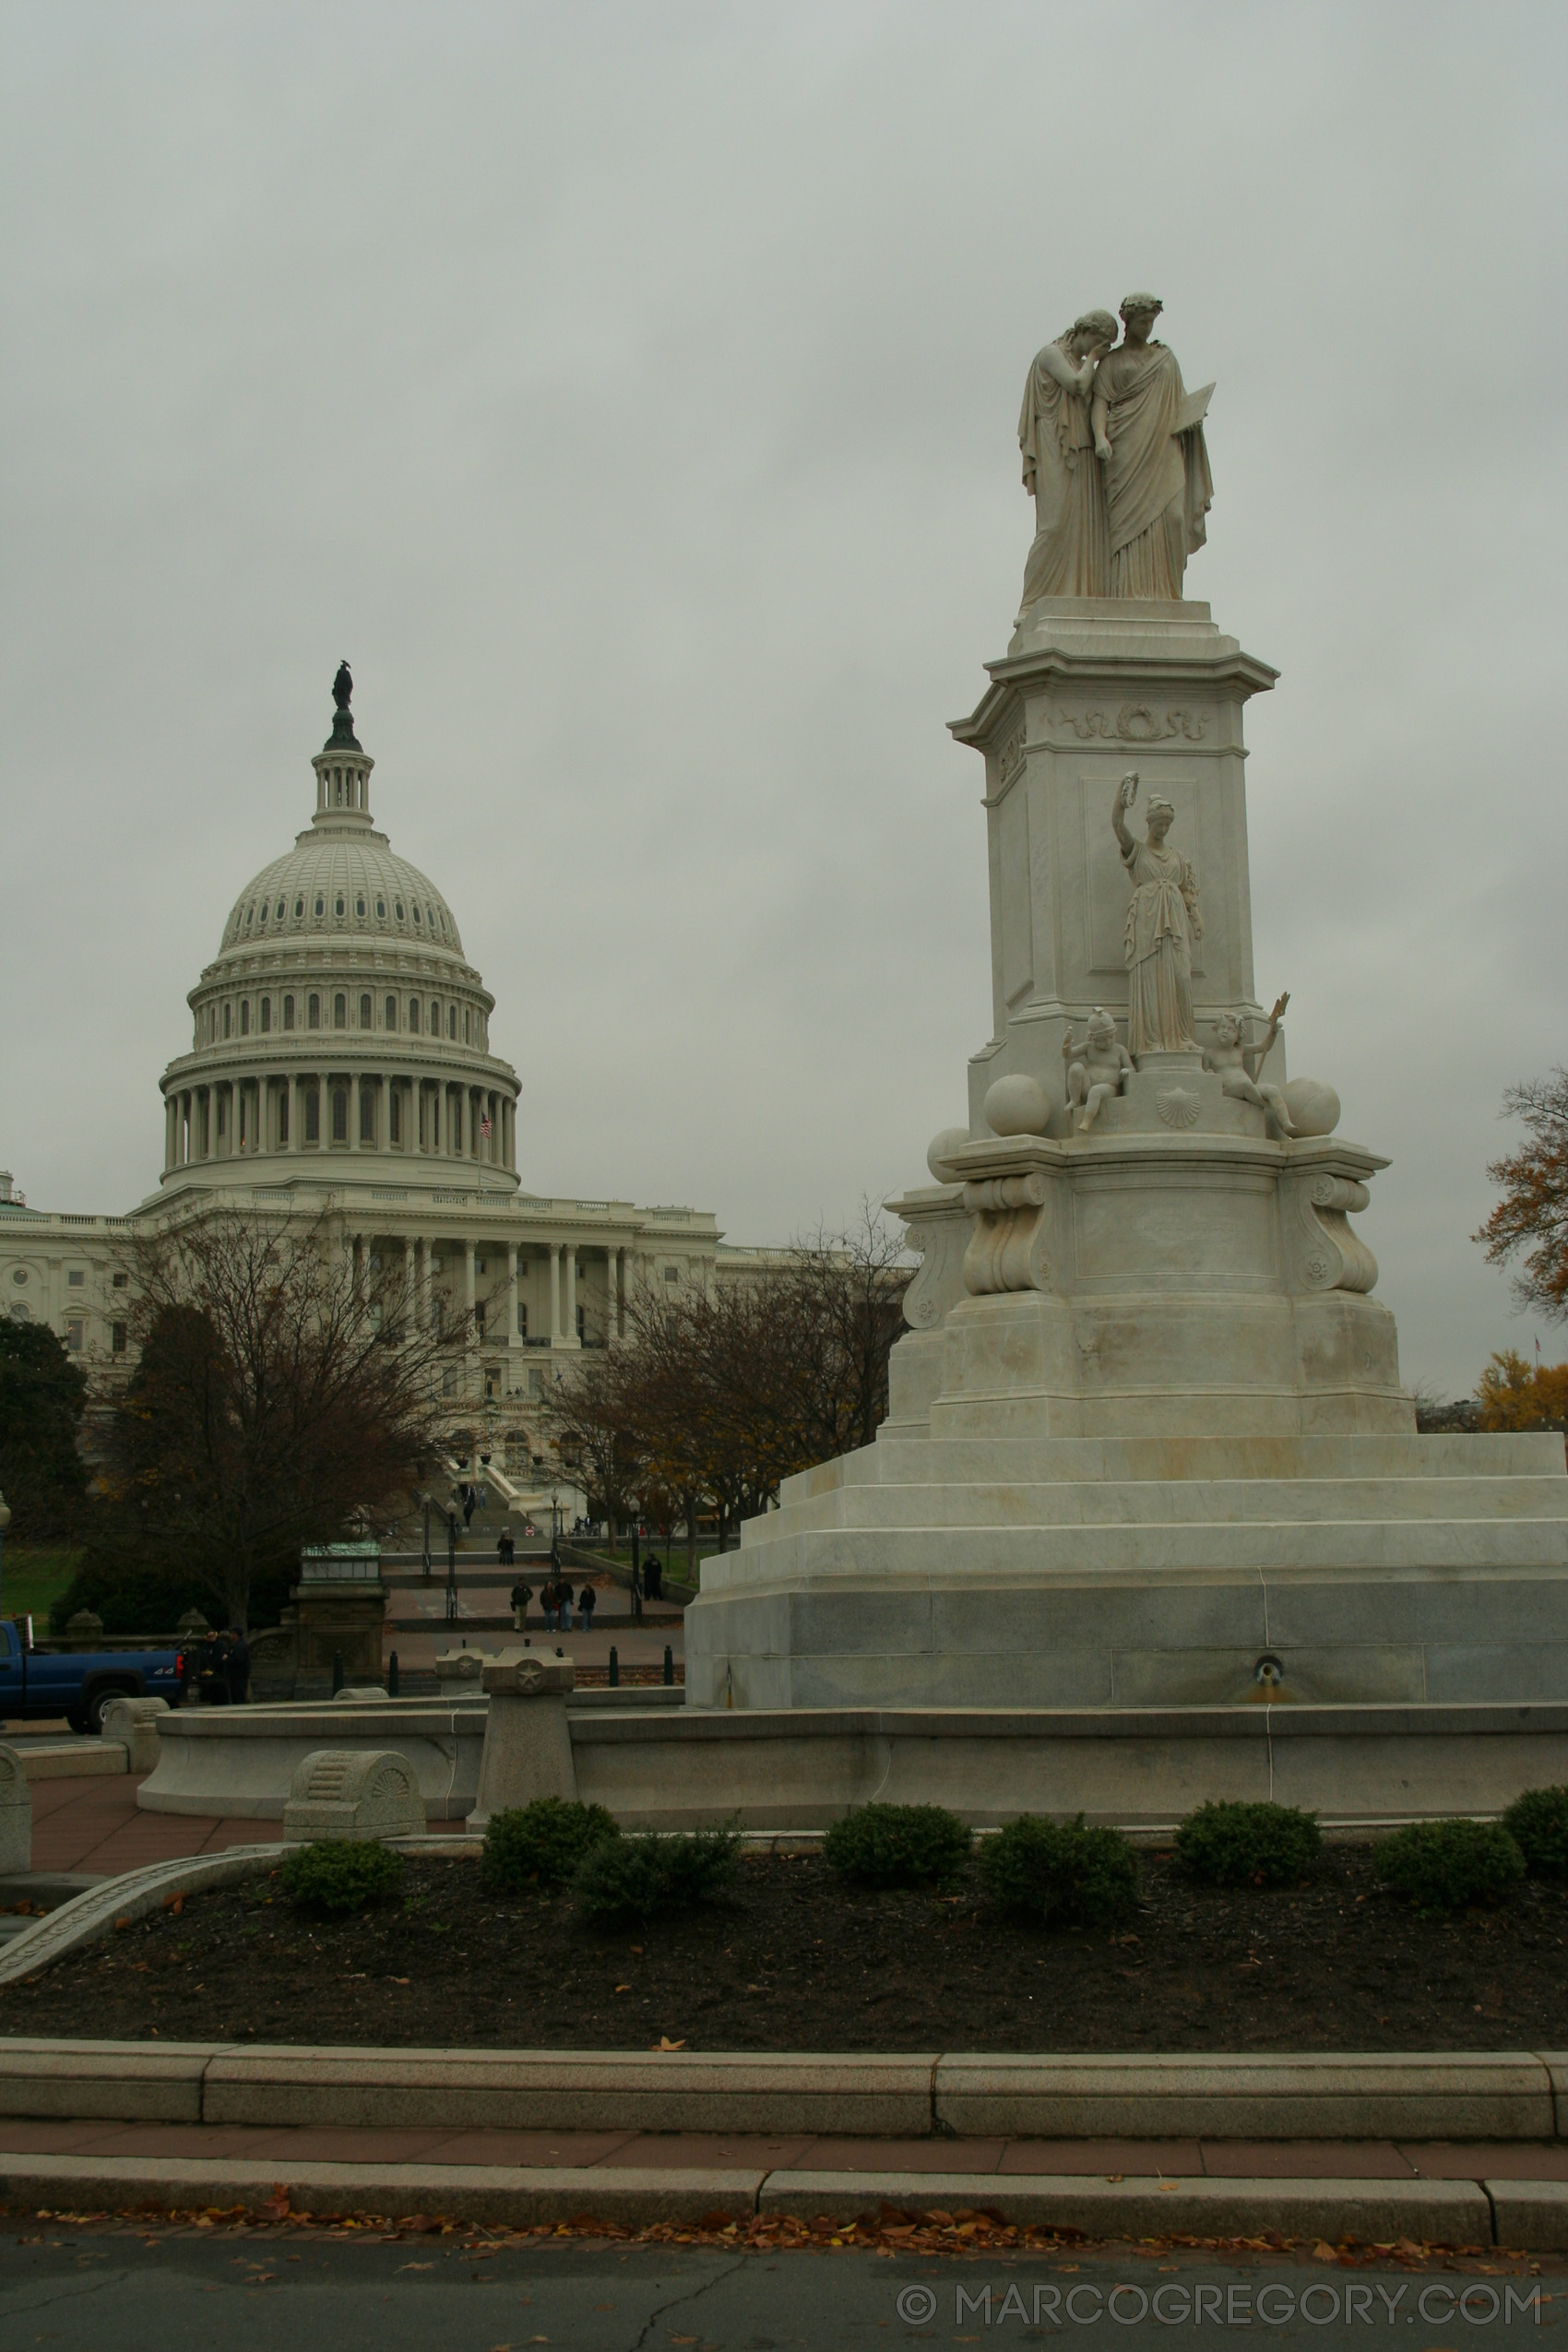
(1149,438)
(1071,554)
(1162,924)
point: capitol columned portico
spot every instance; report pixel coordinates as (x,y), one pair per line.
(340,1066)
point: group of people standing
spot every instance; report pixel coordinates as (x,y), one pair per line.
(1114,455)
(557,1600)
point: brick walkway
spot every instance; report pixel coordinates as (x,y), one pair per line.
(94,1825)
(1004,2159)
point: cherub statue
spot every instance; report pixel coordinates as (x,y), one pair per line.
(1100,1073)
(1236,1063)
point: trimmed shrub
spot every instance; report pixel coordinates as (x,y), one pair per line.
(341,1874)
(544,1842)
(644,1875)
(1226,1845)
(1046,1870)
(897,1846)
(1443,1865)
(1538,1822)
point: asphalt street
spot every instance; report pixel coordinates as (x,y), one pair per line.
(125,2293)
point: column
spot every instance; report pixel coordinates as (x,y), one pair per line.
(468,1280)
(611,1296)
(354,1112)
(407,1281)
(168,1116)
(511,1294)
(296,1111)
(187,1103)
(421,1291)
(554,1293)
(570,1313)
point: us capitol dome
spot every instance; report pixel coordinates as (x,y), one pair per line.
(340,1066)
(340,1017)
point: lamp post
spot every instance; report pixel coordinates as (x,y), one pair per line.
(4,1522)
(451,1567)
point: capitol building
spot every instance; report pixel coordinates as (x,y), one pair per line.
(340,1064)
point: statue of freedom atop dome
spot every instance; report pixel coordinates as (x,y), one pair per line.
(343,686)
(1148,436)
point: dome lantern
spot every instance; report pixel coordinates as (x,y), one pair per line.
(342,767)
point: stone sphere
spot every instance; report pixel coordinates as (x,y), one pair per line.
(1313,1107)
(941,1147)
(1017,1106)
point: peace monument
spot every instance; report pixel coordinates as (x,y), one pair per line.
(1148,1445)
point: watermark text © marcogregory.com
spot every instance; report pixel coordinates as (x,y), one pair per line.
(1355,2303)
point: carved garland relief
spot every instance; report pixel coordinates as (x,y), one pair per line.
(1135,723)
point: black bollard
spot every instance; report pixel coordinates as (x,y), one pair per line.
(392,1676)
(337,1672)
(615,1668)
(668,1667)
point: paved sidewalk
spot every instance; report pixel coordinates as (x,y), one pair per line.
(713,2151)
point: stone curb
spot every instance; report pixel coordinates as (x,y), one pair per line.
(80,1761)
(1454,2213)
(1531,2215)
(1466,2097)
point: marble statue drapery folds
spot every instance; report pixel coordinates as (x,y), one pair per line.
(1071,555)
(1162,923)
(1157,484)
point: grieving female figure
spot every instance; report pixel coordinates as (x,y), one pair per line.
(1162,924)
(1071,555)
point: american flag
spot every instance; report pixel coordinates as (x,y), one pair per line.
(485,1126)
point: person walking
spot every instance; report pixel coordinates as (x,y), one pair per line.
(505,1550)
(587,1601)
(653,1577)
(522,1594)
(565,1599)
(237,1667)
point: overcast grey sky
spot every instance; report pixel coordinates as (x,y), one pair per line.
(630,393)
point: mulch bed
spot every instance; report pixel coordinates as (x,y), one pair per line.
(795,1959)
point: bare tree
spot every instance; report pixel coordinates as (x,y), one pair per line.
(276,1402)
(1532,1215)
(715,1399)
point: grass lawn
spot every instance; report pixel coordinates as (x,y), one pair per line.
(33,1576)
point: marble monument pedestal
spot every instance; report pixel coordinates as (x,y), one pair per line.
(1155,1455)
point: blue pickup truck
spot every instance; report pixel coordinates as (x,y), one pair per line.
(79,1684)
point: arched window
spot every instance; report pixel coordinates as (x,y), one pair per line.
(313,1115)
(245,1017)
(359,909)
(468,1038)
(381,910)
(265,1015)
(321,905)
(416,914)
(339,1114)
(452,1023)
(282,910)
(413,1016)
(287,1011)
(391,1009)
(435,1018)
(313,1011)
(339,1011)
(367,1112)
(365,1019)
(339,903)
(394,1114)
(397,910)
(264,911)
(299,908)
(227,1019)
